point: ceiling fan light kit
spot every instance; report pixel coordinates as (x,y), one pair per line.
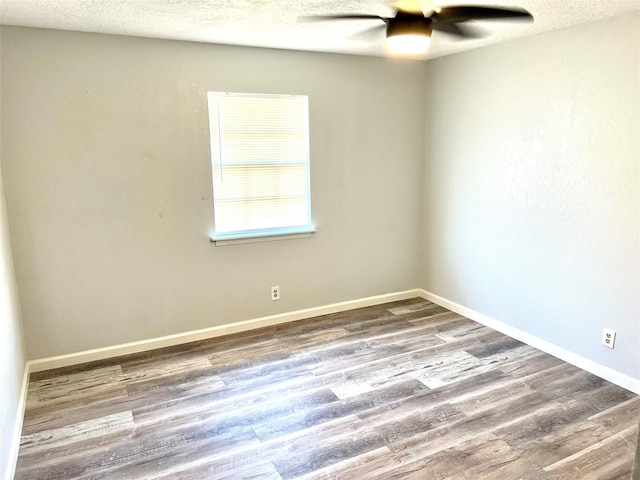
(408,34)
(408,44)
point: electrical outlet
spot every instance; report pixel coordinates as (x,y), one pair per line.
(608,338)
(275,293)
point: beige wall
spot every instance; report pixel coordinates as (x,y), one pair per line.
(12,354)
(106,161)
(532,186)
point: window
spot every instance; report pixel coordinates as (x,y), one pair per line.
(260,165)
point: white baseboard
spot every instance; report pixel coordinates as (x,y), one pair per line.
(624,381)
(14,448)
(195,335)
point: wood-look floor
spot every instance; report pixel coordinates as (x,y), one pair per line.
(406,390)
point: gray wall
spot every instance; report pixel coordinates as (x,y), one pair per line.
(12,355)
(108,183)
(530,214)
(532,186)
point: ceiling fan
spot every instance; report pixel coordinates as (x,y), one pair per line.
(409,31)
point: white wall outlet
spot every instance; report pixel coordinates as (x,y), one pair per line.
(608,337)
(275,293)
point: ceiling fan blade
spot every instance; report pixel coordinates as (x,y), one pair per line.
(461,31)
(462,14)
(355,16)
(372,33)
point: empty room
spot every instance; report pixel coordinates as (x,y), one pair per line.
(319,240)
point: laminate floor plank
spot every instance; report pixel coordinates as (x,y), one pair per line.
(615,418)
(547,421)
(343,441)
(422,446)
(76,432)
(561,444)
(368,465)
(605,459)
(106,402)
(533,364)
(78,385)
(364,357)
(302,419)
(405,390)
(244,467)
(411,307)
(456,461)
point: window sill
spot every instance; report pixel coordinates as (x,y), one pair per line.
(255,238)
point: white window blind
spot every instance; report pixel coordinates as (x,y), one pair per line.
(260,164)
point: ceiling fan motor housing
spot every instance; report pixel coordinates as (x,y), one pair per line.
(409,24)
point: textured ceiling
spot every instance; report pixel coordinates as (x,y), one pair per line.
(277,23)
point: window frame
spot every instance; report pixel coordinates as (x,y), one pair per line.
(261,234)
